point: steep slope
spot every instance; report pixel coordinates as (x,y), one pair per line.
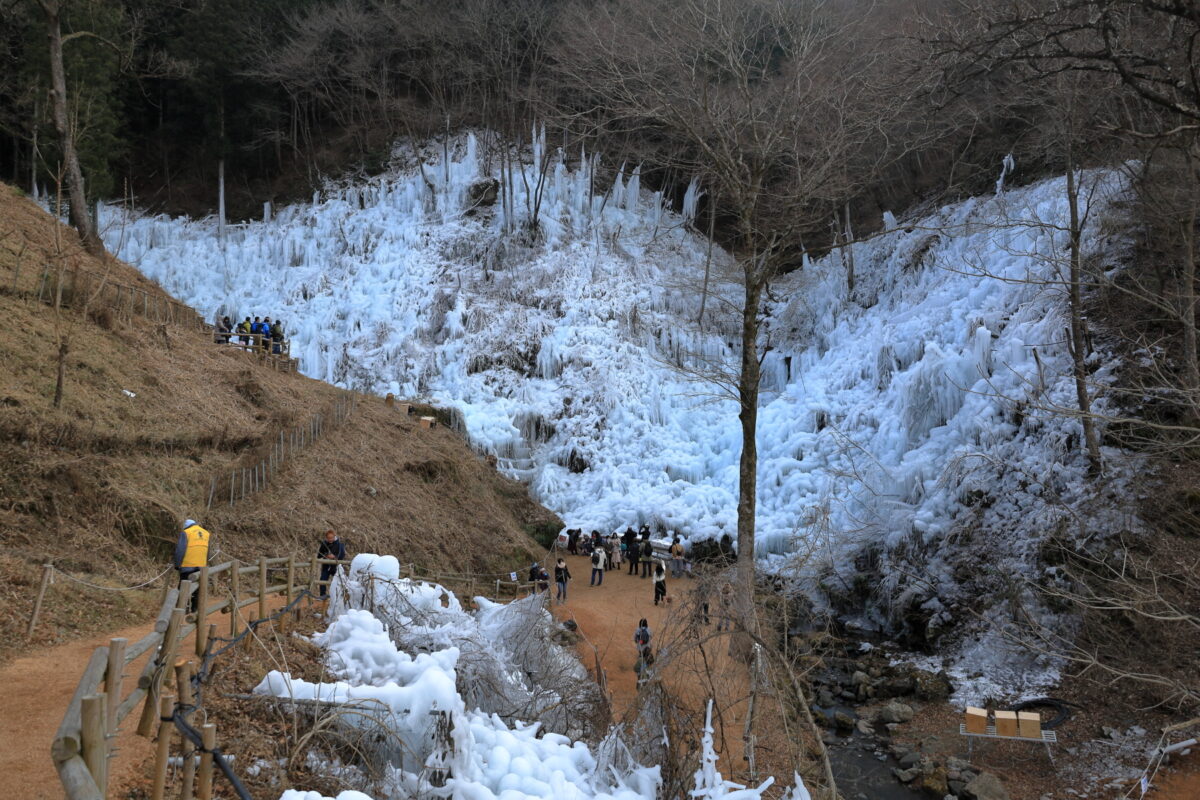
(100,485)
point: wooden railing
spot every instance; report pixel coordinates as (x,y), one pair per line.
(75,287)
(83,744)
(262,346)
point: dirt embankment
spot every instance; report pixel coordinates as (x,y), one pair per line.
(151,414)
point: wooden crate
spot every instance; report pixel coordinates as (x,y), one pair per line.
(1006,723)
(428,422)
(1029,724)
(976,720)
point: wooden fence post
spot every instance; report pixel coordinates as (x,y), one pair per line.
(113,678)
(166,706)
(235,585)
(183,680)
(314,574)
(166,655)
(47,570)
(262,587)
(202,612)
(94,741)
(208,738)
(291,577)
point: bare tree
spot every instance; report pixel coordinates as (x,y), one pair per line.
(81,219)
(766,102)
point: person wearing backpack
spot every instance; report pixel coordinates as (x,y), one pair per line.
(660,583)
(647,554)
(561,576)
(645,655)
(676,558)
(599,560)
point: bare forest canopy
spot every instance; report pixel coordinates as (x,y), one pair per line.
(888,103)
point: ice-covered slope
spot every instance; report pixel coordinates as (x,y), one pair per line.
(892,415)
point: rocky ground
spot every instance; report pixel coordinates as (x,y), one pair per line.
(893,735)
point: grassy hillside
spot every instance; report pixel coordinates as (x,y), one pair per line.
(100,485)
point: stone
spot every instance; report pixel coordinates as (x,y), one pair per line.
(859,678)
(896,712)
(957,764)
(986,787)
(956,787)
(892,726)
(484,192)
(865,728)
(899,750)
(909,760)
(825,698)
(933,687)
(843,721)
(933,783)
(906,775)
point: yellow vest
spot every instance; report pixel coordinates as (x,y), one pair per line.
(196,554)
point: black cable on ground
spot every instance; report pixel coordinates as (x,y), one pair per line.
(1063,707)
(193,736)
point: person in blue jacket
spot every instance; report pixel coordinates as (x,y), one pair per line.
(331,548)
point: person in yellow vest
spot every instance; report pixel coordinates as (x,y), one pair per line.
(191,553)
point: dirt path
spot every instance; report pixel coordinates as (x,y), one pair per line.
(36,690)
(608,615)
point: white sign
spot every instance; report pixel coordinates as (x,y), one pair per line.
(512,576)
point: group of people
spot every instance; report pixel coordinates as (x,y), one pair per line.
(261,332)
(607,553)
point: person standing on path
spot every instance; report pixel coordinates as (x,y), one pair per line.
(645,656)
(191,553)
(647,554)
(561,576)
(676,558)
(598,562)
(331,548)
(615,548)
(660,583)
(632,551)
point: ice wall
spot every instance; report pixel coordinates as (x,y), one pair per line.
(892,414)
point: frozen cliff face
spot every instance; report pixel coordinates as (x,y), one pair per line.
(904,424)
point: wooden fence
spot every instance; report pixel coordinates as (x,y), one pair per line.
(77,288)
(74,287)
(262,347)
(83,744)
(246,481)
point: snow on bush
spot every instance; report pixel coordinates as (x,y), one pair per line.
(397,697)
(910,410)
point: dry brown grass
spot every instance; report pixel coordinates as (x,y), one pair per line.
(101,484)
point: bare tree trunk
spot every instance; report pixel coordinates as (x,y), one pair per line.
(748,383)
(80,218)
(1078,324)
(63,348)
(1187,297)
(848,237)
